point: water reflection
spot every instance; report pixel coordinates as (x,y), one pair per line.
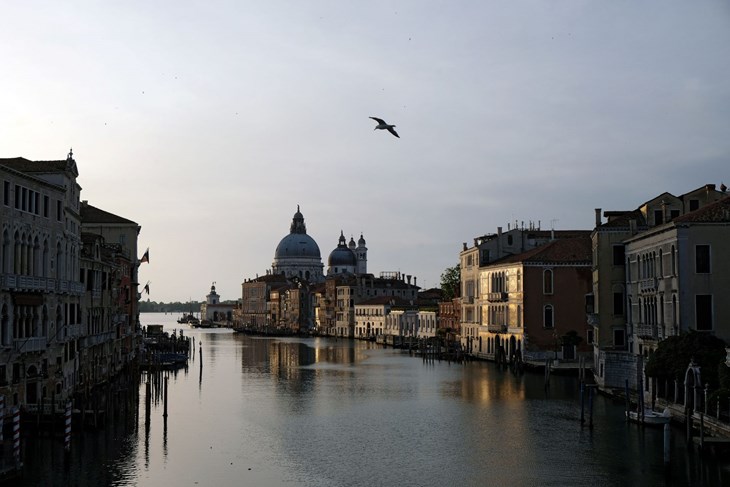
(335,413)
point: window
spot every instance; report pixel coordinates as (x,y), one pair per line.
(694,205)
(58,210)
(673,214)
(547,281)
(703,312)
(619,338)
(548,321)
(658,217)
(618,255)
(509,239)
(674,262)
(661,263)
(618,304)
(589,336)
(6,193)
(702,259)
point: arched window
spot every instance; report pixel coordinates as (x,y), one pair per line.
(548,316)
(547,281)
(661,263)
(674,261)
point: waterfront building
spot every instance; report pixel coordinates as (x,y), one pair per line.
(254,310)
(620,291)
(111,311)
(68,298)
(449,316)
(344,291)
(676,275)
(489,248)
(39,288)
(532,304)
(213,311)
(297,254)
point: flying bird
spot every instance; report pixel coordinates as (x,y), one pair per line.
(385,126)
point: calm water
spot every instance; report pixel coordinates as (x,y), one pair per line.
(321,412)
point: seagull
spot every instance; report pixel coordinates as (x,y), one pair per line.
(385,126)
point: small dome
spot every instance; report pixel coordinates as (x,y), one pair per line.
(361,241)
(342,256)
(352,243)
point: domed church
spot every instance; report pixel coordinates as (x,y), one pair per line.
(348,258)
(297,255)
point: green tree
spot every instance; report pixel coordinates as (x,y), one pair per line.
(451,282)
(673,355)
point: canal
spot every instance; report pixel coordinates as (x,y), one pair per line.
(326,412)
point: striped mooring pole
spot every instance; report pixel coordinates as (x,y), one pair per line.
(16,434)
(67,431)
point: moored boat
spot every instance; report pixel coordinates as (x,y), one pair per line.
(650,417)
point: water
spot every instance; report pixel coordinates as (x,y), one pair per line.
(322,412)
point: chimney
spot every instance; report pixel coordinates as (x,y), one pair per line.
(414,280)
(463,246)
(408,279)
(709,188)
(598,217)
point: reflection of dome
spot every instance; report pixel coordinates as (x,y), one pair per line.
(297,245)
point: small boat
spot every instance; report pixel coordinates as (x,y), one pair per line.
(188,319)
(650,417)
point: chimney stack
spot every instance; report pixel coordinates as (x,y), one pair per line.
(598,217)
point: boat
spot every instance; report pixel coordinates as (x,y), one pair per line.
(650,417)
(188,319)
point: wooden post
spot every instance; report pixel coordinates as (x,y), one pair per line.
(666,444)
(628,399)
(582,393)
(2,419)
(590,407)
(165,398)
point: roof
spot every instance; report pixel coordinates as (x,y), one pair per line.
(717,212)
(564,251)
(92,214)
(27,166)
(620,219)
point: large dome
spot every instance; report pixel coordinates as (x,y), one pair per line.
(297,245)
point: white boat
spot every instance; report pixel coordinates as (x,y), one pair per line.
(650,417)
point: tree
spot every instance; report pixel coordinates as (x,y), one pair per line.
(673,355)
(451,282)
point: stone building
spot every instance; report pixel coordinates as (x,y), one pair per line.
(634,283)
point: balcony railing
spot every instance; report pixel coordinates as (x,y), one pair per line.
(497,297)
(648,286)
(496,328)
(32,344)
(646,331)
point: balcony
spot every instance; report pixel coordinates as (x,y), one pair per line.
(646,332)
(498,297)
(32,344)
(497,328)
(648,286)
(592,319)
(467,300)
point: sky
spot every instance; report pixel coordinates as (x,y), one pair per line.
(208,122)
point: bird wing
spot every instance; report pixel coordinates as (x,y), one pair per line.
(392,131)
(379,120)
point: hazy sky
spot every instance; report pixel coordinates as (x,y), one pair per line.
(208,122)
